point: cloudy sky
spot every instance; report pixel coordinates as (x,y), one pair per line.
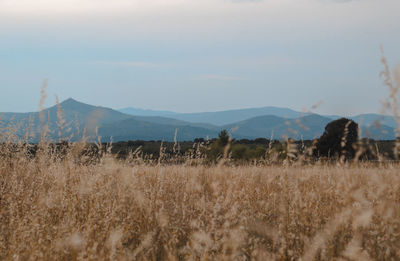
(198,55)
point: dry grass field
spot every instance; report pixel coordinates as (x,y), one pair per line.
(60,209)
(56,206)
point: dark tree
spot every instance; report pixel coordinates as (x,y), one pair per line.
(223,138)
(338,139)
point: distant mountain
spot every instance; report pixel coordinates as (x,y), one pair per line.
(307,127)
(133,129)
(72,111)
(371,119)
(143,112)
(382,132)
(107,123)
(78,116)
(221,118)
(225,117)
(175,122)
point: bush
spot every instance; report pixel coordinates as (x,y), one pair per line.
(338,139)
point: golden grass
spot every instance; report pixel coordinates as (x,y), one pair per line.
(53,209)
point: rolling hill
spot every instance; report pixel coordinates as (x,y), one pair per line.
(143,112)
(371,119)
(110,123)
(77,116)
(133,129)
(307,127)
(107,123)
(220,118)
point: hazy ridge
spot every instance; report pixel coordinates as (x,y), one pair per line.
(161,125)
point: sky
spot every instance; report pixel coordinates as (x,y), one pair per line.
(198,55)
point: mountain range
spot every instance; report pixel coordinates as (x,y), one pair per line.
(72,119)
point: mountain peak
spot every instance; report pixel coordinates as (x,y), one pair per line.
(69,101)
(72,104)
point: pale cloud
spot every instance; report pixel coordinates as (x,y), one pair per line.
(270,61)
(339,1)
(73,6)
(189,13)
(88,7)
(138,64)
(218,77)
(246,1)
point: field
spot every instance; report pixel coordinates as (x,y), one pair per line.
(64,203)
(58,208)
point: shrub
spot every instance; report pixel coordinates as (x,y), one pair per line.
(338,139)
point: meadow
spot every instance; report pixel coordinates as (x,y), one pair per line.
(63,206)
(58,208)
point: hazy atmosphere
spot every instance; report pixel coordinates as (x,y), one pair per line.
(190,55)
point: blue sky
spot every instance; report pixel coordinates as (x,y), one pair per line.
(191,55)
